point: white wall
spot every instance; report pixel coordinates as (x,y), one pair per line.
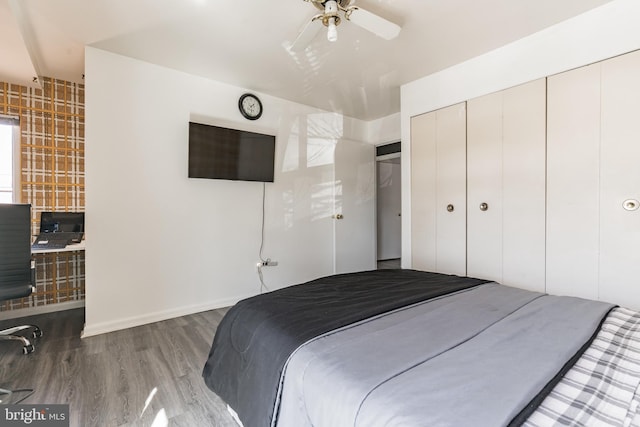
(384,130)
(160,244)
(601,33)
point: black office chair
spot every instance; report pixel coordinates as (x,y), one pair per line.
(16,274)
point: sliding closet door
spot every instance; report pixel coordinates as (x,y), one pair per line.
(484,180)
(451,191)
(423,191)
(573,164)
(620,181)
(506,186)
(438,190)
(524,186)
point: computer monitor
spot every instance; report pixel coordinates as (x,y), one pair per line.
(51,222)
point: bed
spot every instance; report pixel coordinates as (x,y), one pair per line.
(411,348)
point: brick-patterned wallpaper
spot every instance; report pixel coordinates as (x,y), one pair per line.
(52,176)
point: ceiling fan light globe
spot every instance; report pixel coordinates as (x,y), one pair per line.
(332,30)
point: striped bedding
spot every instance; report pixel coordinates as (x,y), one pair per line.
(603,387)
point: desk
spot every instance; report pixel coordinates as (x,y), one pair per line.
(59,276)
(69,248)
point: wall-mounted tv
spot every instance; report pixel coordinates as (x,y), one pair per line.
(222,153)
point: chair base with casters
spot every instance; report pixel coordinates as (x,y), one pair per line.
(5,396)
(8,397)
(17,333)
(11,334)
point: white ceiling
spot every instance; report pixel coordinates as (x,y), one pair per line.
(243,42)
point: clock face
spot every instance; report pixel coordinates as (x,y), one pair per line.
(250,106)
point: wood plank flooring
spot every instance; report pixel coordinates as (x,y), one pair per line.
(389,263)
(107,379)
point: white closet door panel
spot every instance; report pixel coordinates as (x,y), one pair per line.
(523,186)
(573,135)
(423,192)
(438,179)
(620,181)
(484,185)
(451,189)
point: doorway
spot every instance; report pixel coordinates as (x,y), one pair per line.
(388,206)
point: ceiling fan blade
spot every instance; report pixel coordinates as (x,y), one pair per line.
(308,33)
(372,22)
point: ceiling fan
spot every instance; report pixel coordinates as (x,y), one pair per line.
(333,11)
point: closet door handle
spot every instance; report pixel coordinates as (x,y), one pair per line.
(450,208)
(631,205)
(484,207)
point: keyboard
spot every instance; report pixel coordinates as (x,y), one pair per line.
(56,240)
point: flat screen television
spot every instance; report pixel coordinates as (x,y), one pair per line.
(223,153)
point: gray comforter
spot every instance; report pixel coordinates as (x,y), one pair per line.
(256,337)
(473,358)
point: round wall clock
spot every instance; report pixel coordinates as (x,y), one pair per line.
(250,106)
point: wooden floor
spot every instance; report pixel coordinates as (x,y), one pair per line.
(107,379)
(389,263)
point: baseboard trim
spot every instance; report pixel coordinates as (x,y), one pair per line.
(43,309)
(159,316)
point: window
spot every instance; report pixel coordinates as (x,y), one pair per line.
(8,159)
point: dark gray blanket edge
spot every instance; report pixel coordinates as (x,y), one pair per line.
(257,335)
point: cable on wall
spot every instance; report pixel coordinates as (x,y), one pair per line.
(263,286)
